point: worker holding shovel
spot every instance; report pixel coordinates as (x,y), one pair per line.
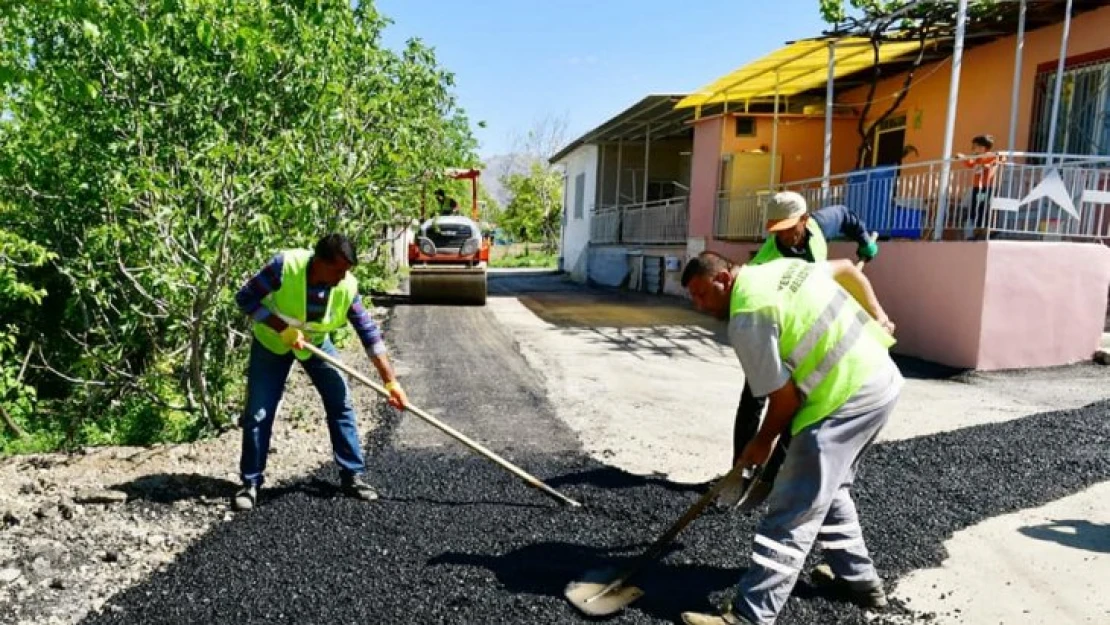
(795,233)
(298,299)
(813,340)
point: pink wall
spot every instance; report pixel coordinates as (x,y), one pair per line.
(1045,303)
(705,165)
(986,305)
(933,291)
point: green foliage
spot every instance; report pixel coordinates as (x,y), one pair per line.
(17,398)
(534,213)
(531,259)
(164,150)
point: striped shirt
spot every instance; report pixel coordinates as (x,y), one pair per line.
(249,298)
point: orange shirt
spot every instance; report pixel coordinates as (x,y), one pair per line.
(985,166)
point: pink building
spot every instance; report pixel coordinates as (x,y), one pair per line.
(1034,293)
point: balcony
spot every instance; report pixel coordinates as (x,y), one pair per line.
(1028,200)
(662,222)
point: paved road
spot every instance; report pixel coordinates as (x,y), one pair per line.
(457,540)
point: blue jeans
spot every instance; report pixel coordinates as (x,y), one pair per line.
(266,376)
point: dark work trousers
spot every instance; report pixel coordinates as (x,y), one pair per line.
(749,414)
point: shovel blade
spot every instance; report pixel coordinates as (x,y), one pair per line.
(588,597)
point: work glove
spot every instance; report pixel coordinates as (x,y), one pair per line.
(397,397)
(868,252)
(292,337)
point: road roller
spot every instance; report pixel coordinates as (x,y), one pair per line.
(449,255)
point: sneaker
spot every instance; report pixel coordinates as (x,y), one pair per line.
(246,498)
(867,594)
(355,486)
(725,618)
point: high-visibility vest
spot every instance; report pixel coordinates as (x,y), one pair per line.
(817,246)
(290,302)
(830,343)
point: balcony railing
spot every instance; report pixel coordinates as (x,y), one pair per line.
(661,222)
(1026,200)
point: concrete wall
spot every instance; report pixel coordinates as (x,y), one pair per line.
(705,171)
(986,305)
(612,265)
(576,230)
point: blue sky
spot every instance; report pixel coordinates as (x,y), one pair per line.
(517,61)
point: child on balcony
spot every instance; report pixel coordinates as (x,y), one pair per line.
(984,162)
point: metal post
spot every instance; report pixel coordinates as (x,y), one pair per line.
(647,152)
(774,135)
(599,184)
(1018,50)
(827,169)
(1058,86)
(950,120)
(617,195)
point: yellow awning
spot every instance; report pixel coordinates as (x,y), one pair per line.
(796,68)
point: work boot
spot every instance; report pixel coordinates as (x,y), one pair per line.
(355,486)
(246,498)
(725,618)
(866,594)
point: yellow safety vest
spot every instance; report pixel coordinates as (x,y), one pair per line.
(818,246)
(291,303)
(830,343)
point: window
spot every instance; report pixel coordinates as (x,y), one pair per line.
(1083,120)
(745,126)
(579,194)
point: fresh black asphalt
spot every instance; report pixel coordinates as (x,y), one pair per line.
(455,539)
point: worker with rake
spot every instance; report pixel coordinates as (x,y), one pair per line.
(795,233)
(812,339)
(302,296)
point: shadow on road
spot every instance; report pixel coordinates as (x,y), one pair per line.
(1074,533)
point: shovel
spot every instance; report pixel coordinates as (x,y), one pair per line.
(601,593)
(450,431)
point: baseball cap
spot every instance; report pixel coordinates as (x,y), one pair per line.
(784,210)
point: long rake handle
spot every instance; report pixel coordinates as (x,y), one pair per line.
(450,431)
(657,548)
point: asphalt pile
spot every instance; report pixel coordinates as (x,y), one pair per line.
(455,539)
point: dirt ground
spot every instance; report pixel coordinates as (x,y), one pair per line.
(76,529)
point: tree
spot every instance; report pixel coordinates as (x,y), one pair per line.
(897,20)
(534,213)
(163,150)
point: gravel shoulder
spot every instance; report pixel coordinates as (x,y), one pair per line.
(77,528)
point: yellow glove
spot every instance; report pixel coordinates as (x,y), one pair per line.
(292,337)
(397,397)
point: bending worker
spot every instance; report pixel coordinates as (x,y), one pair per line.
(796,233)
(302,296)
(813,340)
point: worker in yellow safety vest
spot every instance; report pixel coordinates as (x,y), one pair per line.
(794,233)
(303,296)
(812,339)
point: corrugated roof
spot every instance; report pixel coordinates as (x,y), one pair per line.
(796,68)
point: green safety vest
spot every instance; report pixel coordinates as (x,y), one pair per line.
(830,343)
(291,303)
(817,246)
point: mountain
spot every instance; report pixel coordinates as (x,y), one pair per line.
(499,165)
